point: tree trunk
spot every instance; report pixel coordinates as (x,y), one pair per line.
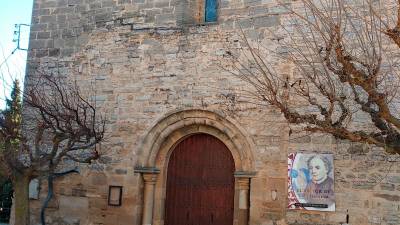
(21,199)
(50,185)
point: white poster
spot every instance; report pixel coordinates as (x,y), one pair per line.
(311,181)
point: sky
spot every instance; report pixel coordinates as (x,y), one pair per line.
(12,65)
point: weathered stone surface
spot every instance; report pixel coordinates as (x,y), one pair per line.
(148,60)
(266,21)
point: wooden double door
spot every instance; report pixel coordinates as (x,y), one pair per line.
(200,183)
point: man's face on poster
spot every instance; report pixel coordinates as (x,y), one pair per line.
(318,170)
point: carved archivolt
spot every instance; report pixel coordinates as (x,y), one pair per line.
(168,131)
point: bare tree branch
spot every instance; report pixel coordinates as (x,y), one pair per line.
(343,66)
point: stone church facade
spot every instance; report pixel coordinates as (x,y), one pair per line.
(153,66)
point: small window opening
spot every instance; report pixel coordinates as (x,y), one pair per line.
(211,11)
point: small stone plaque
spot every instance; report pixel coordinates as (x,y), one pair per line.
(115,195)
(34,189)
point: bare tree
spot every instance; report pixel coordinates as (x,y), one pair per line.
(60,127)
(343,78)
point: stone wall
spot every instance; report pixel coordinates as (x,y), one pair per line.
(144,59)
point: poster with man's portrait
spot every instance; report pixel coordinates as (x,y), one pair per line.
(311,181)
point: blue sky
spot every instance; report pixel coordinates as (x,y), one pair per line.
(12,12)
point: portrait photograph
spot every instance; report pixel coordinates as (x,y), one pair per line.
(311,181)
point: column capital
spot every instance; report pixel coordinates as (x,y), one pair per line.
(145,169)
(244,174)
(243,183)
(243,179)
(150,178)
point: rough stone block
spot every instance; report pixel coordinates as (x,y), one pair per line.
(251,2)
(47,19)
(124,2)
(38,27)
(102,17)
(161,3)
(43,35)
(40,12)
(95,5)
(266,21)
(164,18)
(256,11)
(107,3)
(37,44)
(121,171)
(393,179)
(54,52)
(65,52)
(245,23)
(74,2)
(63,11)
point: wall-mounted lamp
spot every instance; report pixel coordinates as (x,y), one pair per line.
(274,194)
(115,195)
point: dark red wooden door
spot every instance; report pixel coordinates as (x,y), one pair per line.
(200,183)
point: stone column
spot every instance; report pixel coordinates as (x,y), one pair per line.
(244,187)
(149,186)
(243,196)
(150,179)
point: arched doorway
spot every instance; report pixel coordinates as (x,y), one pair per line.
(200,183)
(161,140)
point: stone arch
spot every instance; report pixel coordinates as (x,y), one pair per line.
(170,129)
(167,132)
